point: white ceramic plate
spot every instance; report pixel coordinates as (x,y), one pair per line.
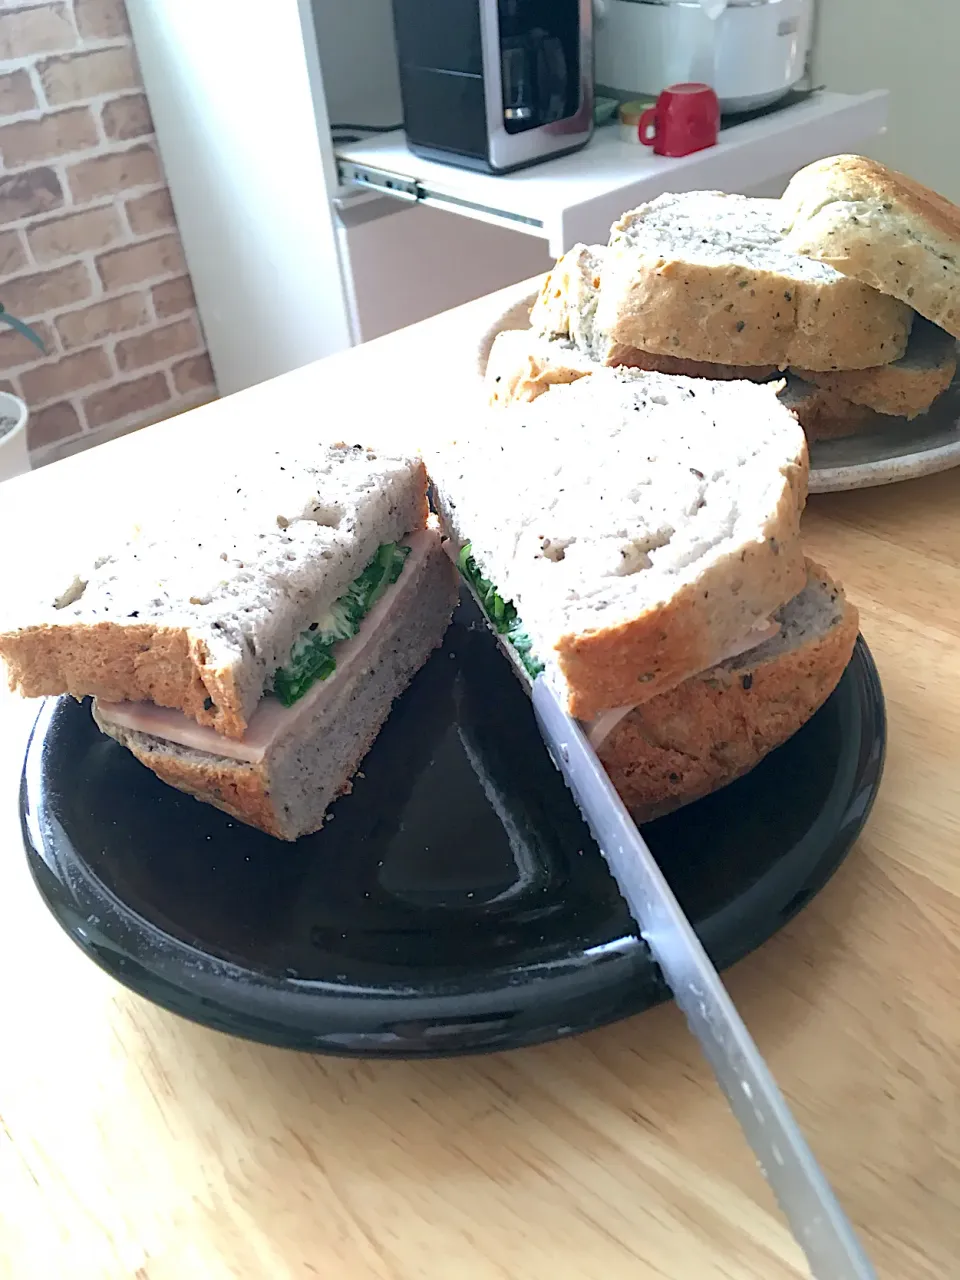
(927,444)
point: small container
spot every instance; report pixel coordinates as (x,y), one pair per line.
(604,110)
(629,115)
(14,455)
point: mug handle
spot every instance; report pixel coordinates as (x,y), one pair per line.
(647,126)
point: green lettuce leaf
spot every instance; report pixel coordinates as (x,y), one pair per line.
(312,658)
(502,614)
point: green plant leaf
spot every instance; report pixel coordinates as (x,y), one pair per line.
(21,328)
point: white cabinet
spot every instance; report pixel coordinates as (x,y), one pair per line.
(239,114)
(578,196)
(301,243)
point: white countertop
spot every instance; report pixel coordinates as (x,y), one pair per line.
(137,1146)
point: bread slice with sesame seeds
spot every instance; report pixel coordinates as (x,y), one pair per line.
(707,276)
(299,760)
(200,616)
(907,387)
(879,228)
(641,525)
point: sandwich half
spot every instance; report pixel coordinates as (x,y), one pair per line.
(880,228)
(717,726)
(707,276)
(250,654)
(642,527)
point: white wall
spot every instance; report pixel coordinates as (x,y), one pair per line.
(248,161)
(358,56)
(910,47)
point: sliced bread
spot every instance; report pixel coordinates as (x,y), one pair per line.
(523,364)
(879,227)
(641,524)
(288,792)
(906,388)
(826,416)
(616,355)
(565,310)
(719,725)
(707,276)
(567,302)
(200,616)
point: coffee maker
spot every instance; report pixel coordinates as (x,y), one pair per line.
(495,84)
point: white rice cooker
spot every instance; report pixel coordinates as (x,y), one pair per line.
(752,52)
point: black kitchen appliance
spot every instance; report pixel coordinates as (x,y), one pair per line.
(495,84)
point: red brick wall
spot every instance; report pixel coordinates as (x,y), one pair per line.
(89,251)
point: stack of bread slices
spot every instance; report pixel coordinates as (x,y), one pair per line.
(845,293)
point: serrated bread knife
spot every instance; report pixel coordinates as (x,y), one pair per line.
(806,1199)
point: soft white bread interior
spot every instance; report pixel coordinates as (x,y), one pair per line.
(716,727)
(641,524)
(523,365)
(707,276)
(879,227)
(287,792)
(567,302)
(200,616)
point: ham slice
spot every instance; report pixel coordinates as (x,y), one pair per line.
(272,719)
(600,729)
(757,636)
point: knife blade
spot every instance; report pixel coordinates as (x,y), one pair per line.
(806,1198)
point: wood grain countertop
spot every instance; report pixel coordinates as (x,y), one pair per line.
(135,1146)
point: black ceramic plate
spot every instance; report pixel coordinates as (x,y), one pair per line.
(456,901)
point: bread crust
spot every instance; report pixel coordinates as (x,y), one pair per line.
(241,790)
(616,354)
(120,661)
(255,793)
(882,397)
(244,791)
(738,315)
(881,228)
(622,665)
(712,729)
(567,300)
(903,389)
(521,367)
(824,415)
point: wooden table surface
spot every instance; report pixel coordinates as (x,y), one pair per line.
(134,1144)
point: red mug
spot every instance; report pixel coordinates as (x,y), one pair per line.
(686,118)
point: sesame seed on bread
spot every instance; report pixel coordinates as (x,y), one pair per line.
(881,228)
